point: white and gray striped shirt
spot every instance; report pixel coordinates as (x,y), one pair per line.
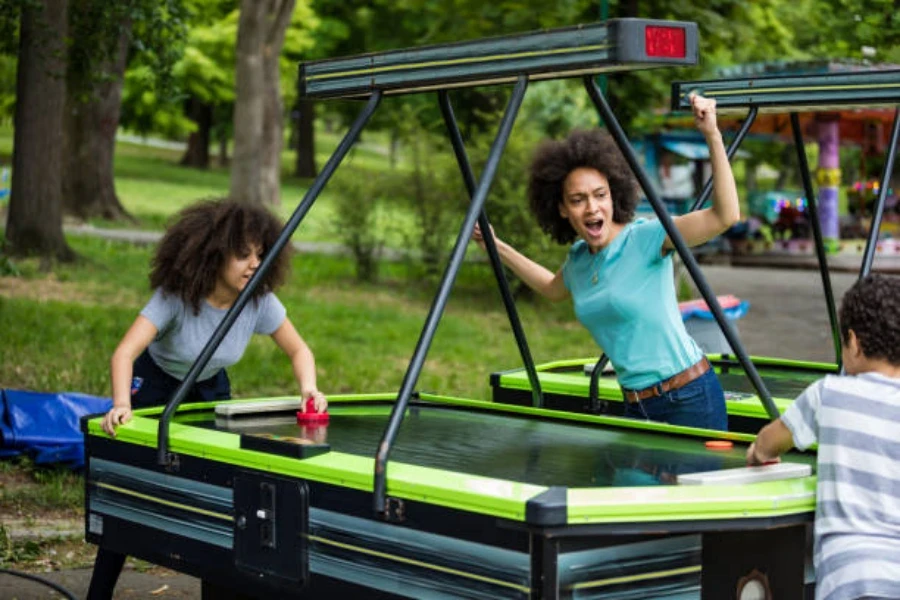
(856,422)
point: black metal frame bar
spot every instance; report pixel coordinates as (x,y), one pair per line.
(684,252)
(730,152)
(817,235)
(871,242)
(434,314)
(544,555)
(490,244)
(164,457)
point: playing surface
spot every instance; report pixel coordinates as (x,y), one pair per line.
(512,447)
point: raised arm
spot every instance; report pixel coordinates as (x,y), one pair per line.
(703,225)
(539,278)
(302,362)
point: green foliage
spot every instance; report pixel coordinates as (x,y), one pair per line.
(842,28)
(15,552)
(7,87)
(205,70)
(360,217)
(144,112)
(436,197)
(556,107)
(204,65)
(10,11)
(156,29)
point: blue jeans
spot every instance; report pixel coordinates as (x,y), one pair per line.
(700,403)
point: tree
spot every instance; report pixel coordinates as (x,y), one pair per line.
(91,117)
(34,222)
(206,75)
(263,31)
(102,33)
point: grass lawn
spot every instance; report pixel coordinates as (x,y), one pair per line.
(60,329)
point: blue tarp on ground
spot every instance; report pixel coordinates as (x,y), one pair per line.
(46,426)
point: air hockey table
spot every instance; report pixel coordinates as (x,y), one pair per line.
(566,386)
(416,495)
(485,501)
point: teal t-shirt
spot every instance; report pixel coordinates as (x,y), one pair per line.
(625,296)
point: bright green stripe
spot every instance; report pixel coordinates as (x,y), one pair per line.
(419,563)
(455,61)
(192,509)
(681,503)
(813,88)
(632,578)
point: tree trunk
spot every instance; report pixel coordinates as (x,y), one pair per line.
(197,152)
(89,188)
(34,222)
(246,162)
(305,142)
(256,162)
(273,123)
(223,148)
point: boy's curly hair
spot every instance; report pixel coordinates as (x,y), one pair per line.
(555,159)
(871,308)
(203,238)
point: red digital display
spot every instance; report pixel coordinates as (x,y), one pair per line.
(666,42)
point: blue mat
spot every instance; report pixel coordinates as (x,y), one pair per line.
(46,426)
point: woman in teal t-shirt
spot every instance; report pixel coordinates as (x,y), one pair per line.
(619,272)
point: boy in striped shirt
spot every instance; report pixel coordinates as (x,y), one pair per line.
(855,419)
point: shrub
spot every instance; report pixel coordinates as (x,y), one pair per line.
(359,223)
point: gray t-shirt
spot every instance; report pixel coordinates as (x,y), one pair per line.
(182,335)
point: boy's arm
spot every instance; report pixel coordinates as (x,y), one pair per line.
(772,441)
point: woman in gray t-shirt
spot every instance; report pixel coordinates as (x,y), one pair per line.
(202,263)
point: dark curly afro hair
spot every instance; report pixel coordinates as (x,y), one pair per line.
(871,308)
(203,238)
(555,159)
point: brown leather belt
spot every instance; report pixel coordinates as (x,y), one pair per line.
(672,383)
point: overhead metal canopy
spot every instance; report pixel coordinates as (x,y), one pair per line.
(614,45)
(816,92)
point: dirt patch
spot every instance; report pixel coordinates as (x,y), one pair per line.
(44,289)
(30,511)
